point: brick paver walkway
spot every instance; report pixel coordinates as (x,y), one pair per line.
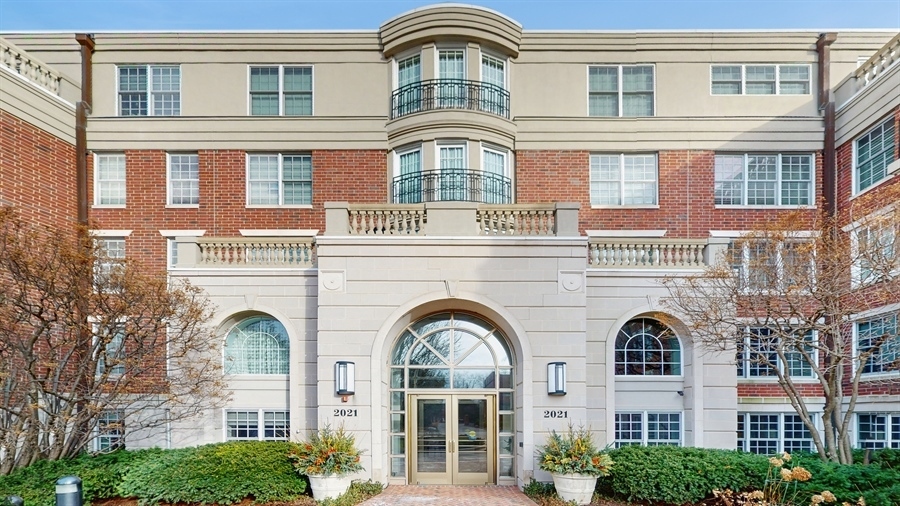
(437,495)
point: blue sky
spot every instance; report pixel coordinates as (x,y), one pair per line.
(99,15)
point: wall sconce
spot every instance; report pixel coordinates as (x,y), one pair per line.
(556,378)
(344,379)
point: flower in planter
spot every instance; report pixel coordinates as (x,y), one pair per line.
(573,452)
(327,452)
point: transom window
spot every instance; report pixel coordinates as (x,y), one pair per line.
(764,180)
(257,345)
(648,429)
(109,180)
(757,355)
(646,347)
(873,152)
(245,425)
(149,90)
(760,79)
(879,334)
(184,180)
(281,91)
(620,90)
(623,179)
(277,179)
(878,430)
(771,433)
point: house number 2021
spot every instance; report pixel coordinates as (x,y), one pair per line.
(345,412)
(555,413)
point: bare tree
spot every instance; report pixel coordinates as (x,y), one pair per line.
(784,297)
(91,347)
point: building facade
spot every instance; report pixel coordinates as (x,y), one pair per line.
(474,215)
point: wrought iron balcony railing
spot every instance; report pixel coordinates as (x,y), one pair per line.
(436,94)
(456,185)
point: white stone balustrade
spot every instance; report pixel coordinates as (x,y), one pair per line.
(19,62)
(252,252)
(646,253)
(534,219)
(878,63)
(396,219)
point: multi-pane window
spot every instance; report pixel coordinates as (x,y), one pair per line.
(110,254)
(495,189)
(648,428)
(149,90)
(184,180)
(109,180)
(110,430)
(257,345)
(878,430)
(757,355)
(245,425)
(281,90)
(764,180)
(620,90)
(873,152)
(770,433)
(409,93)
(879,336)
(493,73)
(279,179)
(761,265)
(623,179)
(646,347)
(760,79)
(409,186)
(110,350)
(876,251)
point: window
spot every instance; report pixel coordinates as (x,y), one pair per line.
(257,345)
(110,350)
(620,179)
(279,180)
(496,186)
(110,254)
(760,79)
(149,90)
(184,180)
(873,152)
(878,430)
(408,186)
(875,251)
(764,180)
(648,429)
(493,75)
(244,425)
(771,433)
(408,98)
(645,347)
(879,334)
(110,433)
(109,180)
(757,355)
(620,90)
(764,265)
(281,91)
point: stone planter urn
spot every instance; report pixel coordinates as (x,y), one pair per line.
(575,487)
(328,486)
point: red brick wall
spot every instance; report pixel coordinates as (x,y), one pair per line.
(686,193)
(37,173)
(755,389)
(356,176)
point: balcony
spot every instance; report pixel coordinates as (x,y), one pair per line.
(444,94)
(452,185)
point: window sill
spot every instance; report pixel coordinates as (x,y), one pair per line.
(182,206)
(673,378)
(774,380)
(280,115)
(292,206)
(799,206)
(108,206)
(875,185)
(624,206)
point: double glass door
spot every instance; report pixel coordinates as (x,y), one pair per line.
(452,439)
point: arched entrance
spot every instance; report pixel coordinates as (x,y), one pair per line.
(451,401)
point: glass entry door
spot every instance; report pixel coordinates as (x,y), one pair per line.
(452,439)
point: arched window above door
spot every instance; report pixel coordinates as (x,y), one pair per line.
(646,347)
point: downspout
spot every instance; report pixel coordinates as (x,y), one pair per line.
(82,110)
(826,104)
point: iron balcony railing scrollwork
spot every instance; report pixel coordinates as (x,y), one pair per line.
(436,94)
(454,185)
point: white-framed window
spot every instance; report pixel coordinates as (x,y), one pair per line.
(771,79)
(149,90)
(109,179)
(110,255)
(172,244)
(409,70)
(757,355)
(110,432)
(879,332)
(408,187)
(621,90)
(451,63)
(872,153)
(281,90)
(109,346)
(648,428)
(624,179)
(496,187)
(646,347)
(772,433)
(279,179)
(244,425)
(875,250)
(184,179)
(257,345)
(878,430)
(760,265)
(764,179)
